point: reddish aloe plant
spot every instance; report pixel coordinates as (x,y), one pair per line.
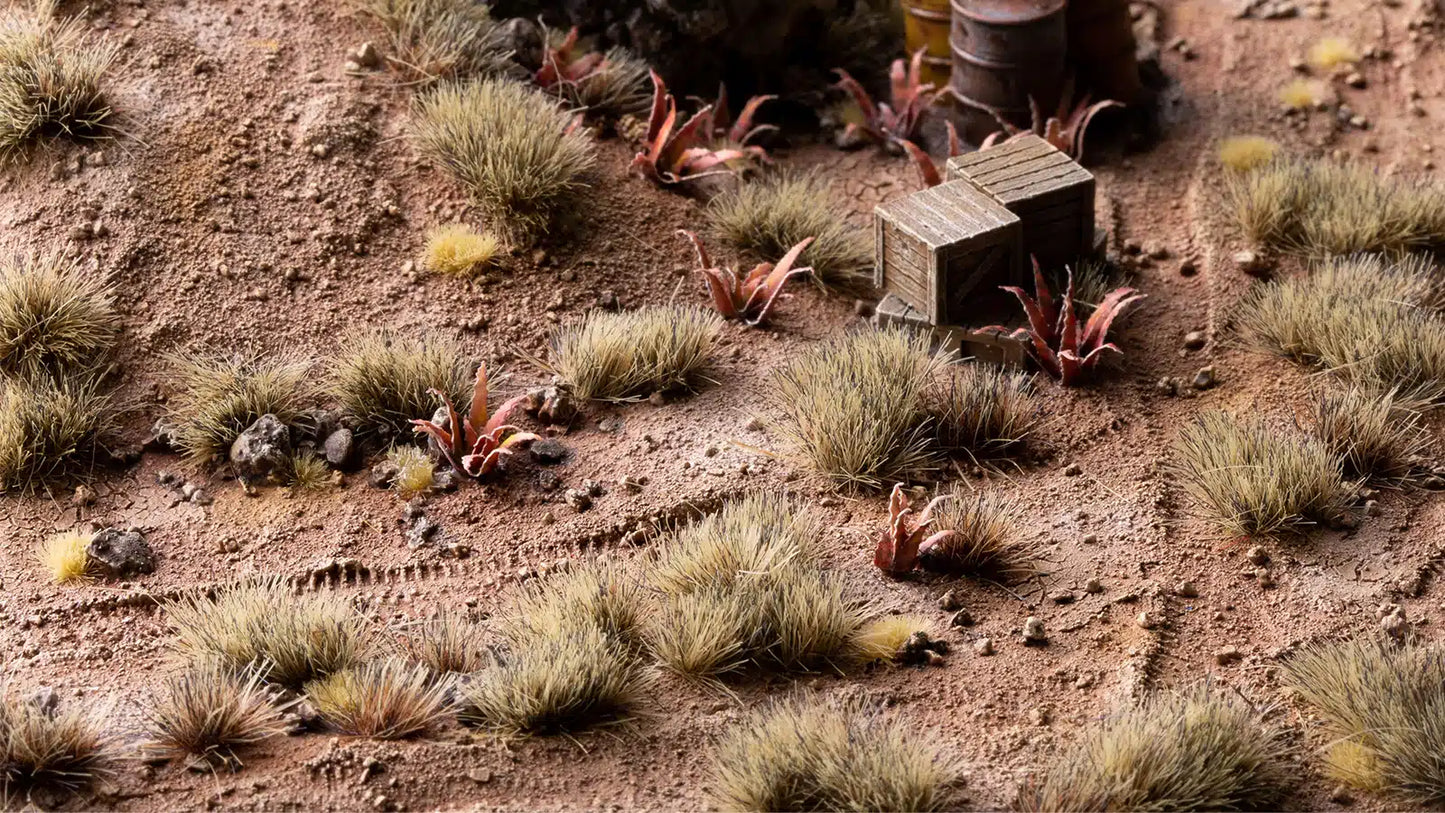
(561,66)
(751,297)
(1065,129)
(475,444)
(897,119)
(1053,336)
(927,170)
(719,127)
(673,154)
(900,544)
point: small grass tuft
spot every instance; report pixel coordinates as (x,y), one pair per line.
(1304,94)
(384,700)
(447,644)
(1375,435)
(512,148)
(855,409)
(1331,53)
(43,751)
(64,557)
(804,754)
(309,472)
(207,713)
(1194,751)
(296,639)
(983,409)
(1248,152)
(442,39)
(882,638)
(383,381)
(415,470)
(985,538)
(50,78)
(598,595)
(216,398)
(632,354)
(54,320)
(50,431)
(1256,481)
(458,249)
(750,535)
(703,634)
(768,217)
(1383,709)
(619,88)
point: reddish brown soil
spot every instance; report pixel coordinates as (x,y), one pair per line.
(226,230)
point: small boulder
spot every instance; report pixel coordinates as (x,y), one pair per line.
(120,554)
(340,448)
(549,451)
(262,451)
(1033,632)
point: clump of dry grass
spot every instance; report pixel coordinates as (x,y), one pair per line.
(618,87)
(1372,433)
(65,751)
(512,148)
(1383,709)
(632,354)
(215,398)
(854,410)
(984,536)
(1332,52)
(383,381)
(50,78)
(296,639)
(753,534)
(447,644)
(1194,751)
(384,700)
(309,472)
(1254,480)
(806,754)
(768,217)
(441,39)
(207,713)
(1244,153)
(50,430)
(983,409)
(882,638)
(598,595)
(64,557)
(458,249)
(1304,94)
(53,319)
(550,684)
(415,470)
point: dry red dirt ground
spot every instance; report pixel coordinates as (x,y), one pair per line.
(266,199)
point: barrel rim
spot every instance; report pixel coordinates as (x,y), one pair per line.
(978,16)
(932,15)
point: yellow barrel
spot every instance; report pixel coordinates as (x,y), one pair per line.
(926,25)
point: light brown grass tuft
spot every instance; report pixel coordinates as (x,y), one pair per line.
(599,595)
(854,410)
(296,639)
(309,472)
(1331,53)
(1194,751)
(64,557)
(383,381)
(458,249)
(704,634)
(805,754)
(619,88)
(54,319)
(510,146)
(65,751)
(384,700)
(448,644)
(632,354)
(1376,436)
(50,431)
(207,713)
(415,470)
(1254,480)
(983,409)
(768,217)
(50,78)
(747,536)
(215,398)
(882,638)
(1244,153)
(985,539)
(1383,709)
(442,39)
(1304,94)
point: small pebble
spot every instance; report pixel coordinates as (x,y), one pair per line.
(1227,655)
(983,646)
(1194,340)
(1187,590)
(1093,586)
(1033,631)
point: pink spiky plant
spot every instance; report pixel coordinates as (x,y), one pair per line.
(927,170)
(901,542)
(561,66)
(481,442)
(897,119)
(1065,130)
(750,297)
(719,127)
(672,154)
(1053,337)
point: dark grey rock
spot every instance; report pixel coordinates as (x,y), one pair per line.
(120,554)
(262,451)
(340,448)
(550,451)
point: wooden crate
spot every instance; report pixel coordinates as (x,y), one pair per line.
(936,246)
(1048,190)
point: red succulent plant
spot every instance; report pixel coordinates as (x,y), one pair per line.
(561,66)
(718,125)
(1065,130)
(927,170)
(1054,338)
(672,153)
(750,297)
(476,443)
(896,119)
(899,544)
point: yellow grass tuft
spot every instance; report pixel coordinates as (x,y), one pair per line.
(882,638)
(64,557)
(632,354)
(458,249)
(1304,94)
(384,700)
(415,470)
(1332,52)
(1244,153)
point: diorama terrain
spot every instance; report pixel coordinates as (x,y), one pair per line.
(263,195)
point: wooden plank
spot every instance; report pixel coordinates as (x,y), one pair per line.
(985,210)
(996,176)
(1044,177)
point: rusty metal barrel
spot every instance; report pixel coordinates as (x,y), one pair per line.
(1006,52)
(1102,49)
(926,26)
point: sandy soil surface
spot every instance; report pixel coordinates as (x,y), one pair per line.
(268,200)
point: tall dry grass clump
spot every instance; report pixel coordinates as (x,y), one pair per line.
(513,148)
(984,536)
(448,644)
(1252,479)
(50,430)
(54,319)
(855,410)
(388,699)
(1195,751)
(50,78)
(208,713)
(807,754)
(598,595)
(1382,709)
(383,381)
(1375,436)
(442,39)
(768,217)
(53,751)
(632,354)
(982,409)
(215,398)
